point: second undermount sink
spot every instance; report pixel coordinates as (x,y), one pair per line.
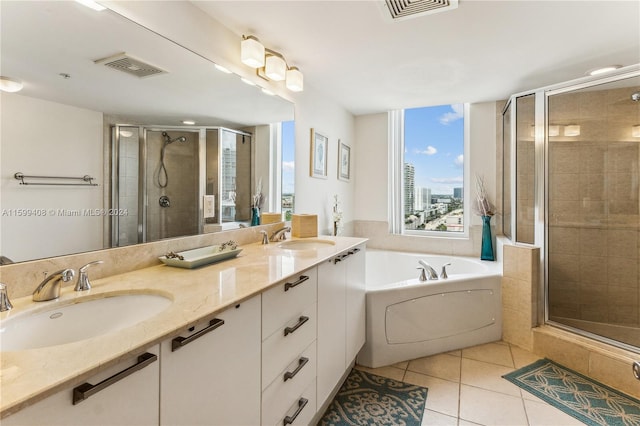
(78,321)
(306,244)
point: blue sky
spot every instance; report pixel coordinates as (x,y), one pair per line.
(434,144)
(288,157)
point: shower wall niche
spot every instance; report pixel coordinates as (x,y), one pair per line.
(572,187)
(177,181)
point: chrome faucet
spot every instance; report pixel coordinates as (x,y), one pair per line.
(443,274)
(83,279)
(279,235)
(5,303)
(427,273)
(49,288)
(265,237)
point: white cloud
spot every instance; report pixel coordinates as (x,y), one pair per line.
(429,151)
(459,160)
(456,179)
(288,166)
(456,114)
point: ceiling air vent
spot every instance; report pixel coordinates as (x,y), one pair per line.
(126,63)
(405,9)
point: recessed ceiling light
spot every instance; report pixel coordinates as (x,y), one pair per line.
(10,85)
(126,133)
(602,70)
(188,122)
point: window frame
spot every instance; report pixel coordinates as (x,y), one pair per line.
(396,179)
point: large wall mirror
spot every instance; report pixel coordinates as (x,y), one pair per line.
(78,117)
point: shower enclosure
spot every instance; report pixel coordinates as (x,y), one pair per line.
(178,181)
(572,186)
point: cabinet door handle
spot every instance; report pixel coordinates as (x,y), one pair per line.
(86,390)
(291,374)
(302,279)
(180,341)
(301,321)
(302,402)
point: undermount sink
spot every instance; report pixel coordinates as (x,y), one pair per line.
(306,244)
(78,321)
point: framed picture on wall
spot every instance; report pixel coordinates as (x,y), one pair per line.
(319,151)
(344,161)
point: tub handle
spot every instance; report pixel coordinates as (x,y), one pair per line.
(443,273)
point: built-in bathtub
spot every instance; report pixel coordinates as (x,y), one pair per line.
(408,319)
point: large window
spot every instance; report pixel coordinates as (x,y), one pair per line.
(428,146)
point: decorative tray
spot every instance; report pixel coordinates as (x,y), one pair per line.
(201,256)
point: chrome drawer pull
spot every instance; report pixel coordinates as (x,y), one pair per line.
(301,321)
(302,279)
(291,374)
(180,341)
(302,402)
(86,390)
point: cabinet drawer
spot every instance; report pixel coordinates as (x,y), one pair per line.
(287,299)
(299,409)
(277,397)
(279,350)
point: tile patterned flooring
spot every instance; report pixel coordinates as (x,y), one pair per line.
(466,388)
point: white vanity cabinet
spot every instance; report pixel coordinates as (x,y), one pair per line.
(211,375)
(289,322)
(125,394)
(341,317)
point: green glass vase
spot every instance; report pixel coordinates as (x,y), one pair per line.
(487,241)
(255,216)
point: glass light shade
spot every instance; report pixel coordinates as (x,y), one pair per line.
(554,130)
(10,85)
(252,52)
(275,68)
(635,131)
(572,130)
(295,80)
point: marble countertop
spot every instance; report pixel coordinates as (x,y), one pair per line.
(30,375)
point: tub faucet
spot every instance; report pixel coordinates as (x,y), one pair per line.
(427,273)
(443,274)
(49,288)
(279,235)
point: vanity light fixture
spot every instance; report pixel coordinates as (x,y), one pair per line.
(572,130)
(252,52)
(603,70)
(635,131)
(92,5)
(188,122)
(10,85)
(269,64)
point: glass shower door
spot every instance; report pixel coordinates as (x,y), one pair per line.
(593,145)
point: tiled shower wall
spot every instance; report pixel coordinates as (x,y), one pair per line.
(594,208)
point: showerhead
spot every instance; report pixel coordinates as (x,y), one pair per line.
(168,140)
(635,97)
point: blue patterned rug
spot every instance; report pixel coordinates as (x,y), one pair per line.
(579,396)
(367,399)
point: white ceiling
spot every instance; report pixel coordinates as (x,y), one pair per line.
(39,40)
(481,51)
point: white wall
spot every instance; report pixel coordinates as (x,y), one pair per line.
(314,195)
(46,138)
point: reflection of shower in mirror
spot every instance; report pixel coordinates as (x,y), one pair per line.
(163,176)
